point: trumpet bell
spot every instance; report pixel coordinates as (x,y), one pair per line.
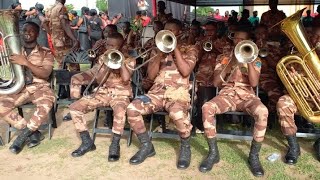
(207,46)
(246,51)
(166,41)
(113,59)
(263,52)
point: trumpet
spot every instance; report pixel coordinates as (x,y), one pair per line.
(263,52)
(207,46)
(245,51)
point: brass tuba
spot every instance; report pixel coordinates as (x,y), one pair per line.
(300,75)
(11,75)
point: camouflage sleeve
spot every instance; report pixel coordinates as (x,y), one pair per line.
(221,62)
(190,53)
(48,59)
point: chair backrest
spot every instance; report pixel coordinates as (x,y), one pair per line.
(76,57)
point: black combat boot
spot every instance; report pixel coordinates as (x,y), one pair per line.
(185,154)
(146,149)
(18,144)
(35,138)
(114,148)
(254,162)
(293,151)
(213,156)
(86,145)
(67,117)
(316,147)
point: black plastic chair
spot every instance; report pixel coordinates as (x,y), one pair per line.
(63,76)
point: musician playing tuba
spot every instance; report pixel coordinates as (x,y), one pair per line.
(114,91)
(38,63)
(236,94)
(287,105)
(170,73)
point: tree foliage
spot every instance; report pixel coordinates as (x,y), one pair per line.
(102,5)
(69,7)
(203,11)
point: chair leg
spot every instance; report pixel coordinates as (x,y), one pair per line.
(53,119)
(151,124)
(129,141)
(95,125)
(8,134)
(1,141)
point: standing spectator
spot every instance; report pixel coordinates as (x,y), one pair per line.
(217,15)
(307,21)
(316,19)
(142,5)
(145,19)
(244,22)
(83,32)
(116,18)
(105,19)
(226,16)
(74,22)
(233,20)
(254,20)
(96,26)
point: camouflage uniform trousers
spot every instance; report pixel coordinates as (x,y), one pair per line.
(40,95)
(286,108)
(224,103)
(150,103)
(273,87)
(86,104)
(77,81)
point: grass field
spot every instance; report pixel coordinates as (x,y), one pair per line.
(52,159)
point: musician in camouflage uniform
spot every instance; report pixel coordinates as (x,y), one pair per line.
(269,80)
(236,94)
(204,70)
(170,92)
(61,33)
(38,64)
(287,108)
(116,92)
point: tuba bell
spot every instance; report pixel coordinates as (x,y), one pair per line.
(11,75)
(300,75)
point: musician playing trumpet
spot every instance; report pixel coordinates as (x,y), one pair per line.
(169,92)
(115,91)
(236,94)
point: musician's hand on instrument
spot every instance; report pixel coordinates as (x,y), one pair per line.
(18,59)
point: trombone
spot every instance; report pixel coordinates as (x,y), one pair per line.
(245,52)
(165,41)
(92,53)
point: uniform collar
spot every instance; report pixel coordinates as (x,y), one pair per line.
(35,50)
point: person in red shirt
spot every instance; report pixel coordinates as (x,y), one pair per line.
(217,15)
(145,19)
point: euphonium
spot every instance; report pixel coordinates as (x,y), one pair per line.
(12,75)
(300,75)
